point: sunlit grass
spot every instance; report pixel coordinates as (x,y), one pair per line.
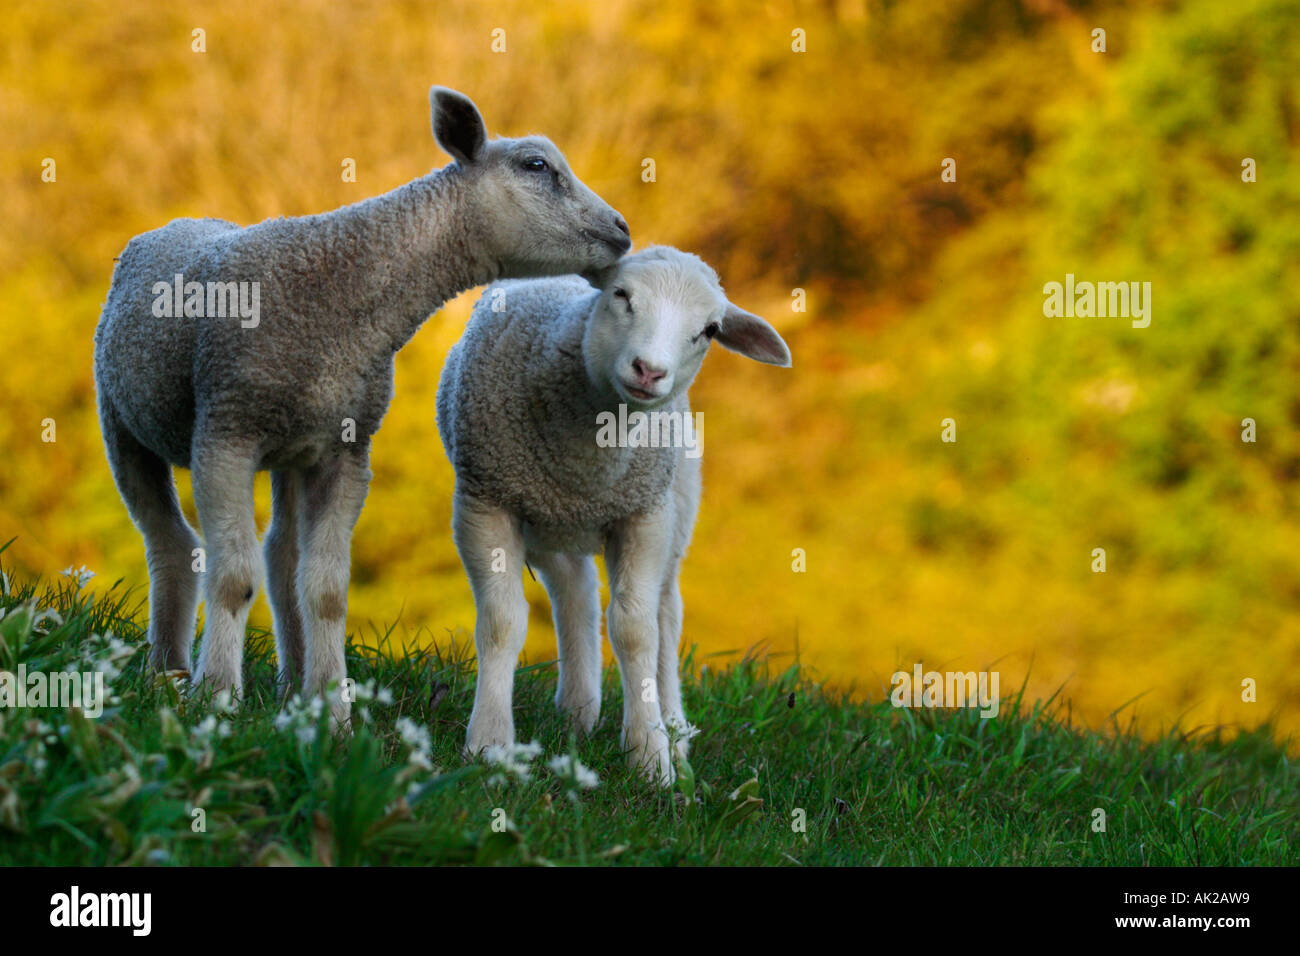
(783,773)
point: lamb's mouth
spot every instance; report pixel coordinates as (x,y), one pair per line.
(618,243)
(640,394)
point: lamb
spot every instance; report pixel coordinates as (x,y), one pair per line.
(288,367)
(527,406)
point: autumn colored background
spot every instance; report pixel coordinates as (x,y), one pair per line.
(816,170)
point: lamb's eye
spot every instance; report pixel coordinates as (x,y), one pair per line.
(622,294)
(535,164)
(708,332)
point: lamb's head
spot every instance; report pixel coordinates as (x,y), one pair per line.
(533,215)
(657,314)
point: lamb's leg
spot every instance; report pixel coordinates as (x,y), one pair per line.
(492,549)
(670,687)
(281,550)
(636,555)
(146,485)
(574,589)
(332,496)
(223,495)
(684,505)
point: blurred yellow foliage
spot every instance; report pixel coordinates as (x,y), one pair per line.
(816,170)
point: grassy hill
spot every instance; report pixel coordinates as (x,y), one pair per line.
(783,773)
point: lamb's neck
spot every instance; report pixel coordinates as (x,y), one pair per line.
(584,393)
(570,400)
(407,252)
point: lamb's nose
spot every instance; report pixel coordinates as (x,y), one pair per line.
(647,374)
(621,223)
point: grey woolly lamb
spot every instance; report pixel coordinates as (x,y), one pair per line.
(538,409)
(233,350)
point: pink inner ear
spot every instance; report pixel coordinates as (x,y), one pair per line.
(753,337)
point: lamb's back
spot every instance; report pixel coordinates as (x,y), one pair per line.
(498,350)
(286,382)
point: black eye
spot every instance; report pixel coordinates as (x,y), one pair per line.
(622,294)
(535,164)
(708,332)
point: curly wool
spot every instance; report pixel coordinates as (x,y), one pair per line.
(518,417)
(324,347)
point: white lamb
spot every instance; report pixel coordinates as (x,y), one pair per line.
(524,408)
(233,350)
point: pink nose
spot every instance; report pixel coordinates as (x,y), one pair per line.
(647,374)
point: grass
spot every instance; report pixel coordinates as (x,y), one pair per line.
(783,773)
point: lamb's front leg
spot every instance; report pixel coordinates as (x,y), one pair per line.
(223,496)
(333,493)
(683,506)
(636,554)
(491,547)
(670,685)
(574,589)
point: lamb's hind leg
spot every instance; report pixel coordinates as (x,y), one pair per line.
(574,589)
(491,547)
(146,485)
(223,494)
(281,550)
(332,497)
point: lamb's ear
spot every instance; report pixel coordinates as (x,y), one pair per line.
(749,335)
(600,278)
(457,125)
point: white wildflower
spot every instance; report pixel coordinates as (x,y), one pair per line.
(513,759)
(574,774)
(110,670)
(683,731)
(302,717)
(420,759)
(205,730)
(81,575)
(418,742)
(368,692)
(412,734)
